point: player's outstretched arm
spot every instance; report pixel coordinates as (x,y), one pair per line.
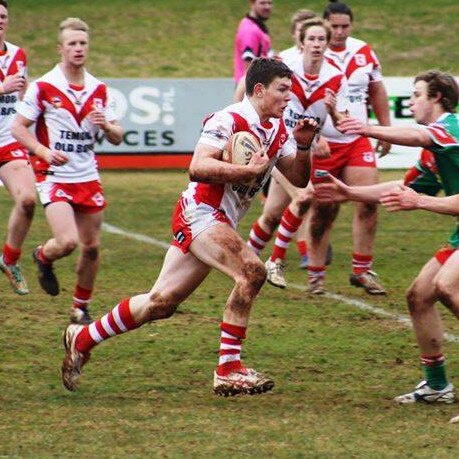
(405,198)
(408,136)
(337,191)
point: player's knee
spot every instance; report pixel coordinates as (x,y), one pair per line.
(367,211)
(161,306)
(27,205)
(326,213)
(91,252)
(67,245)
(414,299)
(254,276)
(271,221)
(303,198)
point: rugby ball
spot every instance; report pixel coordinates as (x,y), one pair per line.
(240,148)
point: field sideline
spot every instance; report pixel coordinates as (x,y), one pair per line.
(149,393)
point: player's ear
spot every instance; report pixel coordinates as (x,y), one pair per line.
(438,97)
(259,90)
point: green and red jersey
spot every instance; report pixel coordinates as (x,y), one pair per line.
(444,133)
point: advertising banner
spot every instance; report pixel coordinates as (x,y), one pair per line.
(162,119)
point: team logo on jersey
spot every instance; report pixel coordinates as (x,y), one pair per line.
(360,60)
(214,133)
(56,102)
(98,104)
(20,67)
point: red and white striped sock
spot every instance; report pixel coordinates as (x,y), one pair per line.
(302,248)
(361,264)
(116,322)
(10,255)
(288,226)
(81,297)
(316,273)
(258,238)
(230,348)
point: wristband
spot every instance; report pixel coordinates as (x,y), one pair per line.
(303,147)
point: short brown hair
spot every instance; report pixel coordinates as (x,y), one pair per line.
(314,22)
(265,70)
(301,16)
(72,24)
(441,83)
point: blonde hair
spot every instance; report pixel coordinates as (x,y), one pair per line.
(314,22)
(72,24)
(301,16)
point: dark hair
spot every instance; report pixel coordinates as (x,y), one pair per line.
(4,3)
(443,83)
(337,8)
(264,70)
(314,22)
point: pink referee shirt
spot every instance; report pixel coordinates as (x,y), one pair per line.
(252,41)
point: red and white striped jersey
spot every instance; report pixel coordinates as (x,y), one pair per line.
(234,198)
(361,67)
(290,53)
(12,61)
(307,94)
(60,112)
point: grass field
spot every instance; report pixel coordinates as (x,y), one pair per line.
(149,393)
(190,38)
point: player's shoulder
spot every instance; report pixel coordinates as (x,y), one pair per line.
(91,81)
(445,130)
(290,56)
(246,24)
(12,48)
(355,44)
(54,73)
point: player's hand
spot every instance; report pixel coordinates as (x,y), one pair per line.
(330,101)
(305,131)
(383,148)
(97,118)
(53,157)
(353,126)
(56,158)
(332,191)
(401,198)
(13,83)
(322,149)
(259,162)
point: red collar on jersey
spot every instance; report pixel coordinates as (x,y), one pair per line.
(76,87)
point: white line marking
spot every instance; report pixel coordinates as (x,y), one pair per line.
(138,237)
(359,304)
